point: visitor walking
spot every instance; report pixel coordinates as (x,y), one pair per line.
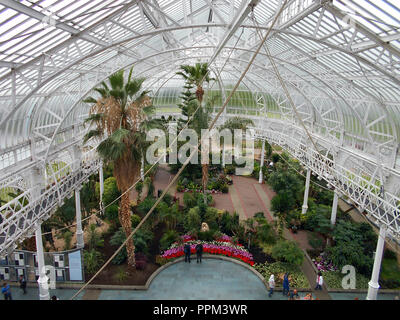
(6,291)
(22,283)
(199,252)
(286,285)
(271,283)
(320,281)
(186,250)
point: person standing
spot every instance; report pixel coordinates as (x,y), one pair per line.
(320,281)
(6,291)
(22,283)
(186,250)
(286,286)
(271,283)
(199,251)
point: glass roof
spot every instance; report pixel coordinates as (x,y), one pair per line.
(340,60)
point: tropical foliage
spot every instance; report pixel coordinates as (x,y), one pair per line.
(120,115)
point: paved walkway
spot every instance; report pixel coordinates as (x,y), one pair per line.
(249,197)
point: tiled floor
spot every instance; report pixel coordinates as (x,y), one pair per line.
(33,294)
(210,280)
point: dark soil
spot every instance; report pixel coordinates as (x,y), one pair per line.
(259,256)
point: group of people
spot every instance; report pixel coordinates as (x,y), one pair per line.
(6,291)
(292,294)
(199,252)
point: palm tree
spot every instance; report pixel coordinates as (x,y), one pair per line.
(121,114)
(237,123)
(196,76)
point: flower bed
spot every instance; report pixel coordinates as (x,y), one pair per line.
(323,264)
(223,246)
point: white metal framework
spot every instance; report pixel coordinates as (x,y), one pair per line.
(340,60)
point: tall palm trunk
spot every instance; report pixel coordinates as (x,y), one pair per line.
(204,180)
(125,219)
(204,166)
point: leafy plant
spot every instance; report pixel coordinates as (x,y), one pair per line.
(67,235)
(192,220)
(92,260)
(168,238)
(288,251)
(94,238)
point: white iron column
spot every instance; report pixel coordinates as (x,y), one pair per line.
(373,284)
(260,176)
(307,188)
(101,178)
(334,207)
(223,155)
(142,169)
(79,233)
(43,280)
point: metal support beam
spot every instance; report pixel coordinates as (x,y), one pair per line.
(101,178)
(374,284)
(242,14)
(79,233)
(334,207)
(260,176)
(43,280)
(19,7)
(304,208)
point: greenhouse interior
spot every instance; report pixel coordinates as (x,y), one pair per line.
(243,149)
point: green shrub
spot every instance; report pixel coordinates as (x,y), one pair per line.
(67,235)
(228,222)
(315,242)
(168,238)
(92,260)
(141,239)
(121,275)
(354,245)
(206,235)
(146,205)
(192,220)
(135,219)
(224,188)
(111,191)
(288,251)
(94,238)
(111,213)
(189,200)
(211,218)
(265,233)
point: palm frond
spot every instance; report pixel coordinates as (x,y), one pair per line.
(117,80)
(103,92)
(89,100)
(95,117)
(109,150)
(119,135)
(91,134)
